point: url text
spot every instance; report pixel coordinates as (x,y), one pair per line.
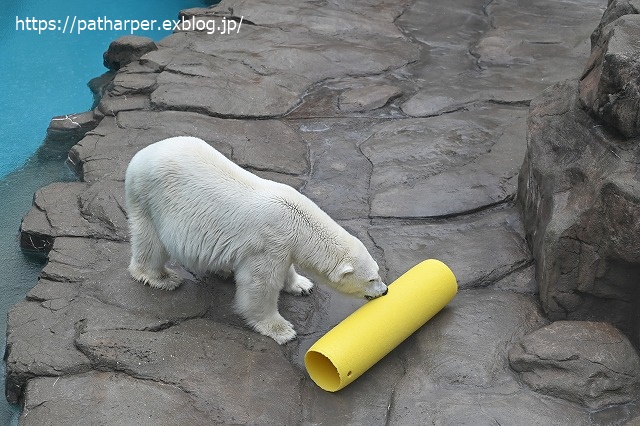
(73,25)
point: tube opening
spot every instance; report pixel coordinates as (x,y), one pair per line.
(322,371)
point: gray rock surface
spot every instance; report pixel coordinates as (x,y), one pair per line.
(460,243)
(426,169)
(367,98)
(615,9)
(580,193)
(610,86)
(199,357)
(586,362)
(471,162)
(89,398)
(126,49)
(503,52)
(71,126)
(444,365)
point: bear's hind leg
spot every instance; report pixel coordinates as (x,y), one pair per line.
(258,285)
(296,284)
(148,256)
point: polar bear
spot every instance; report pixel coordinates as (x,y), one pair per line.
(187,201)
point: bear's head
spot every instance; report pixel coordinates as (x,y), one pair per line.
(358,274)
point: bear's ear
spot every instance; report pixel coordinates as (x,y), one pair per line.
(340,271)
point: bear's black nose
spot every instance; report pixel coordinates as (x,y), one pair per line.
(386,290)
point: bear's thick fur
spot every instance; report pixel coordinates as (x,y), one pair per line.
(187,201)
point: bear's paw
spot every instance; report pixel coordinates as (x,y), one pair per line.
(299,286)
(164,280)
(278,328)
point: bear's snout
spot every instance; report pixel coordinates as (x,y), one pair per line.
(380,290)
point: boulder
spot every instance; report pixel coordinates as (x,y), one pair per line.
(615,9)
(457,371)
(579,189)
(71,127)
(610,85)
(127,49)
(69,209)
(590,363)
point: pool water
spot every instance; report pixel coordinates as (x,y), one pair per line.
(45,74)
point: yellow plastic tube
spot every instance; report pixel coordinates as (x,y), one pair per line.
(371,332)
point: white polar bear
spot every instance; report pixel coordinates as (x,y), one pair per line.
(186,200)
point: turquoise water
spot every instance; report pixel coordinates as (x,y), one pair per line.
(44,74)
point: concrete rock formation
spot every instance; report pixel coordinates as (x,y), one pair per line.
(610,86)
(126,49)
(580,186)
(586,362)
(580,194)
(71,126)
(367,98)
(428,169)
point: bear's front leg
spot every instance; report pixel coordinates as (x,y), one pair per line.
(148,254)
(258,283)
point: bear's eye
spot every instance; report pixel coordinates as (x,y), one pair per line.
(372,280)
